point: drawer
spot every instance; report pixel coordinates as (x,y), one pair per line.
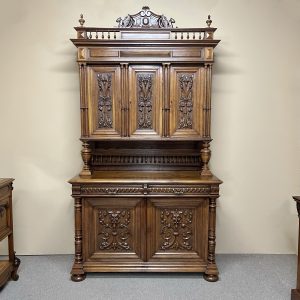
(179,190)
(111,190)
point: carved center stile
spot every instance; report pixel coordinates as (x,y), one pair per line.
(104,101)
(114,229)
(176,229)
(144,113)
(185,109)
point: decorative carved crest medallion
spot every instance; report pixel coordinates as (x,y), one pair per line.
(145,19)
(104,101)
(114,231)
(144,117)
(185,108)
(176,229)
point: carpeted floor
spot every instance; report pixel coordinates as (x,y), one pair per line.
(256,277)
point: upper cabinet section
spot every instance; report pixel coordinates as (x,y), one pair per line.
(145,36)
(145,79)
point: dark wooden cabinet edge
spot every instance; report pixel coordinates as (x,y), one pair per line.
(295,293)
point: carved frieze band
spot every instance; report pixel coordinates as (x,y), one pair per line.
(145,101)
(176,231)
(105,104)
(114,229)
(146,159)
(143,190)
(185,109)
(145,19)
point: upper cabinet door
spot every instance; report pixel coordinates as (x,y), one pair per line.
(103,93)
(186,102)
(145,99)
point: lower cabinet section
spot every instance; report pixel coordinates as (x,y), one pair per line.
(146,233)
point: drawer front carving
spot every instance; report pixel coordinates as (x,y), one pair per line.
(179,190)
(111,190)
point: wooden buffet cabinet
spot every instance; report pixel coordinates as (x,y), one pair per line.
(145,200)
(9,267)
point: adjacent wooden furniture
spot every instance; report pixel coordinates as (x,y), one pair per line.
(145,200)
(295,295)
(8,268)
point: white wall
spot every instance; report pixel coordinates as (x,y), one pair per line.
(256,147)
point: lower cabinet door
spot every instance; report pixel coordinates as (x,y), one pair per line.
(177,230)
(114,229)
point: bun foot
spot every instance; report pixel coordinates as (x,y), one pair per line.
(211,277)
(14,276)
(78,277)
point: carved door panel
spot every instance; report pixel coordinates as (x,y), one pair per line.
(186,116)
(114,229)
(145,98)
(104,106)
(177,229)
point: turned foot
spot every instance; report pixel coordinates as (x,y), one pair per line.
(211,277)
(78,277)
(14,275)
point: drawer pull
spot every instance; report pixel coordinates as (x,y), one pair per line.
(178,191)
(112,191)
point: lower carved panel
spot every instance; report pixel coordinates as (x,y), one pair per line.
(115,232)
(176,229)
(113,228)
(179,229)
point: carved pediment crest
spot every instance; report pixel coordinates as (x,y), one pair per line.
(145,19)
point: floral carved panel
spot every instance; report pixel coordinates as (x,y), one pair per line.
(145,101)
(185,104)
(114,231)
(176,231)
(105,105)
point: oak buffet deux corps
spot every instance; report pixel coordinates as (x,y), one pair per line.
(145,200)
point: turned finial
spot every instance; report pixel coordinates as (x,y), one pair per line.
(208,21)
(81,20)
